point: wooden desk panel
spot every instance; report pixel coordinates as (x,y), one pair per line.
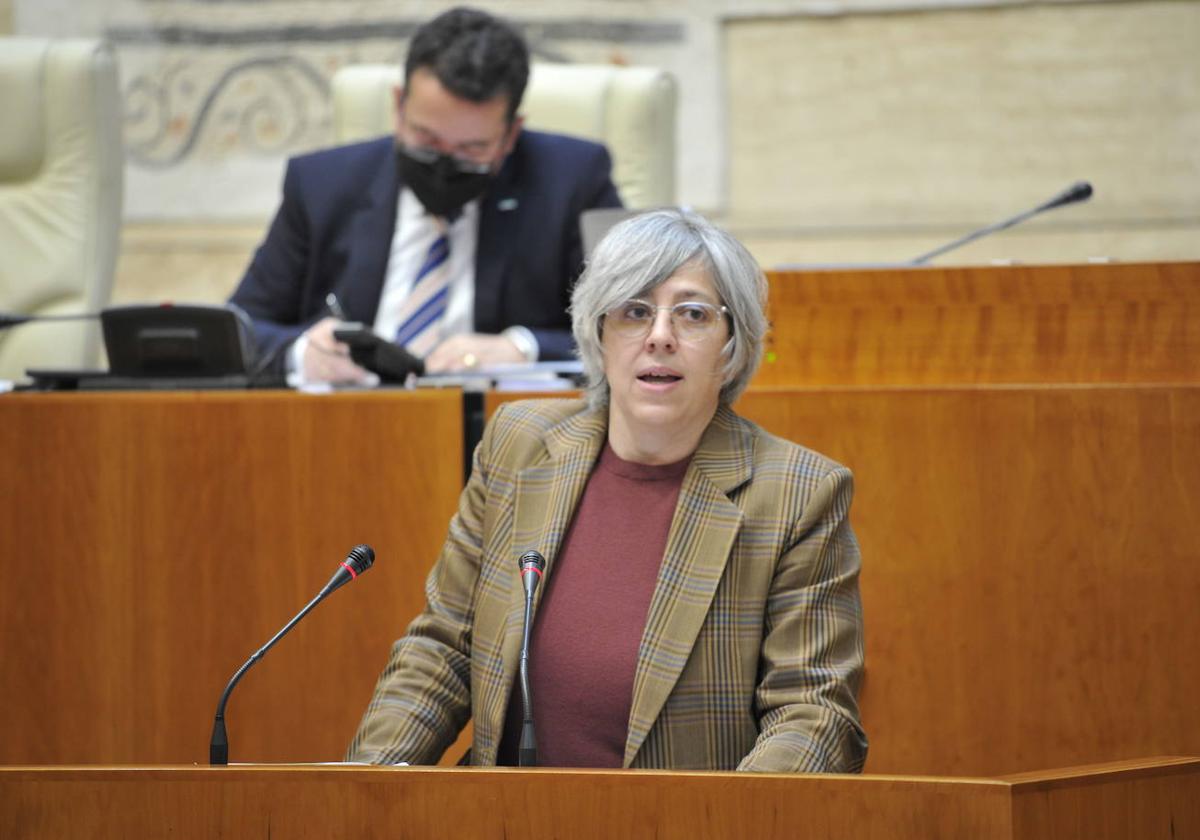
(1129,323)
(1140,798)
(1031,568)
(1148,800)
(151,542)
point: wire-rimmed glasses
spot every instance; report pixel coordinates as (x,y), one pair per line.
(690,319)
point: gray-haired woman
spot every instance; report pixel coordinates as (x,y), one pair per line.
(700,607)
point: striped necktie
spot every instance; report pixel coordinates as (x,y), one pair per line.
(420,316)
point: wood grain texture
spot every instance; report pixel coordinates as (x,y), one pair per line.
(1031,568)
(1124,323)
(307,801)
(482,804)
(1149,799)
(152,542)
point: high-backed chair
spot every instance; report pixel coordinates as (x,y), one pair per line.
(61,185)
(631,110)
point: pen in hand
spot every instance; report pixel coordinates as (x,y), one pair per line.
(335,308)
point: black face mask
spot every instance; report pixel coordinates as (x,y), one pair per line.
(439,181)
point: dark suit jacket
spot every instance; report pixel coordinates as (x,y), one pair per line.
(334,230)
(752,651)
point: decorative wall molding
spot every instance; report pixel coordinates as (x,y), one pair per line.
(218,93)
(265,106)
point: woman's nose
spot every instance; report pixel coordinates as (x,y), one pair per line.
(662,330)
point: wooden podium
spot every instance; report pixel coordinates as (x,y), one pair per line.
(151,542)
(1139,800)
(1026,445)
(1030,567)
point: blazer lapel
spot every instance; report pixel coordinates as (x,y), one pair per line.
(370,234)
(499,213)
(703,531)
(545,499)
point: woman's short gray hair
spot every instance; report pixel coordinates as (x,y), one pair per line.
(643,252)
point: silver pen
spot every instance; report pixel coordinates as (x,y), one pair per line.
(335,308)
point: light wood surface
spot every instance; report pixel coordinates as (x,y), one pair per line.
(1149,802)
(150,543)
(1131,323)
(1135,799)
(1031,568)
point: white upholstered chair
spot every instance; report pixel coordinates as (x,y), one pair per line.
(61,181)
(629,109)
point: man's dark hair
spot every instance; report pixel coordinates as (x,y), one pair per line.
(474,55)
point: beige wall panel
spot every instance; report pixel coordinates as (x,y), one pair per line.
(876,137)
(917,123)
(202,263)
(194,263)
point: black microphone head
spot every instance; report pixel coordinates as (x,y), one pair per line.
(1079,191)
(361,558)
(531,560)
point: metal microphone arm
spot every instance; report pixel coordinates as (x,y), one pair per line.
(532,565)
(1079,191)
(12,319)
(360,559)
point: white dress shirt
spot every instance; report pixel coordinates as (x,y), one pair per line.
(415,231)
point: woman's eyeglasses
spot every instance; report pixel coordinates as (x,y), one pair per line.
(691,319)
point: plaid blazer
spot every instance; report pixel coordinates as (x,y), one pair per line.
(752,652)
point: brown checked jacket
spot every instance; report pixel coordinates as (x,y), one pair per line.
(752,651)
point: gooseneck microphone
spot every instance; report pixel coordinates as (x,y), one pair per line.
(360,559)
(1079,191)
(532,565)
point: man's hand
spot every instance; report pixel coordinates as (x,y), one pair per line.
(328,360)
(472,350)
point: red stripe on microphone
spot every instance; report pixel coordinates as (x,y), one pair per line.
(350,570)
(532,569)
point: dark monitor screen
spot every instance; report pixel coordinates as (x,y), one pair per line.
(171,340)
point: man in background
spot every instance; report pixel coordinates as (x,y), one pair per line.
(458,238)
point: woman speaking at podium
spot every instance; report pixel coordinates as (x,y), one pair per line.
(699,608)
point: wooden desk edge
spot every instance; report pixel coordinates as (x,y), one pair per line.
(1168,765)
(1037,779)
(197,772)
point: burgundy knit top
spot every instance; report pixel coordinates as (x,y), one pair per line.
(589,622)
